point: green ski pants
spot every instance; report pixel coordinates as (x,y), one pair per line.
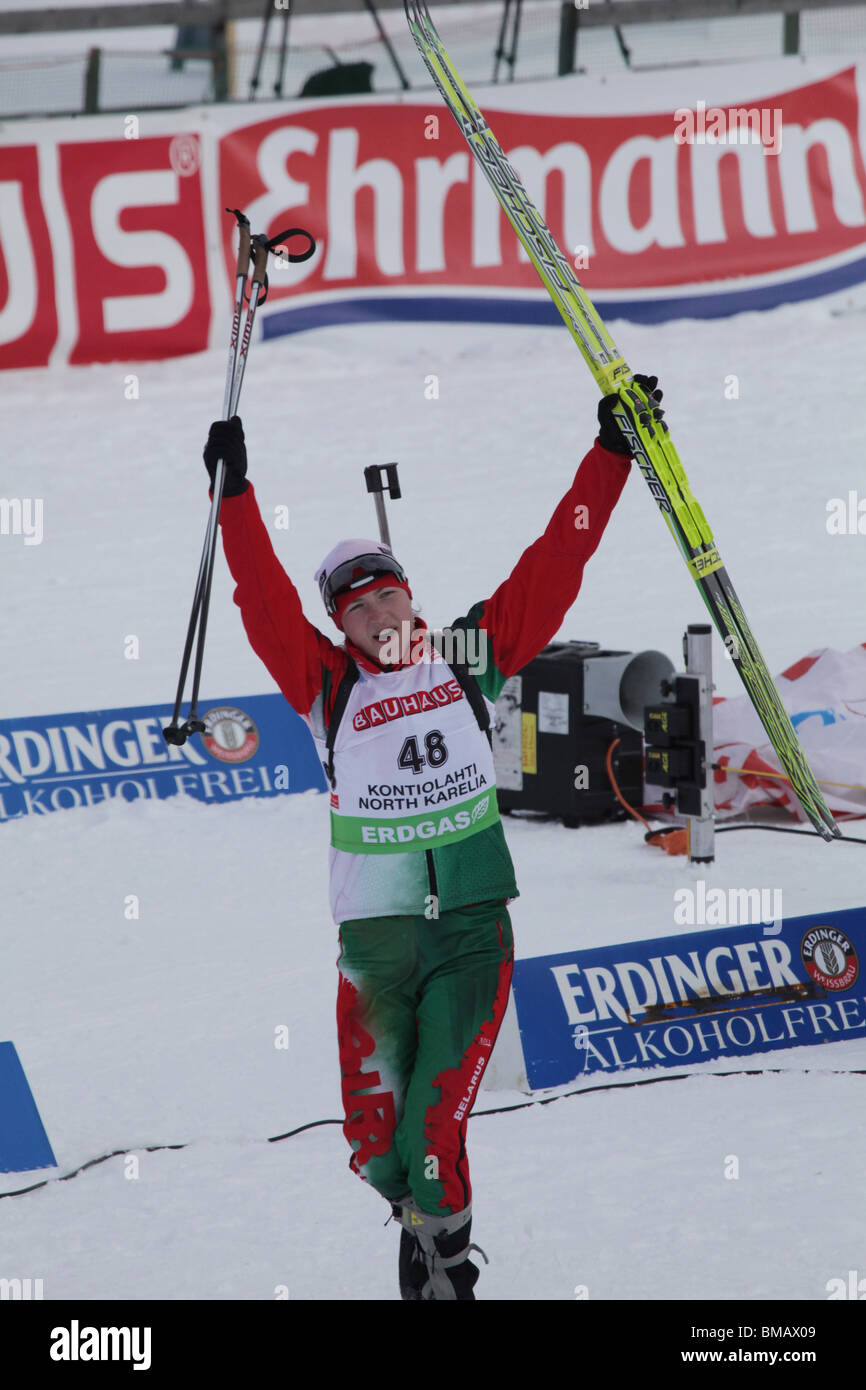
(419,1005)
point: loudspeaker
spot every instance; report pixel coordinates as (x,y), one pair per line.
(620,685)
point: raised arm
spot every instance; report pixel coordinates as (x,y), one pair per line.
(297,655)
(527,609)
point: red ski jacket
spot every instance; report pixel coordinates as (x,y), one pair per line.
(520,618)
(514,624)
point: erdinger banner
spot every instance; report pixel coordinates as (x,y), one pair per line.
(253,746)
(701,997)
(692,192)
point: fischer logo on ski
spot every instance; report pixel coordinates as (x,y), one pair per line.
(706,563)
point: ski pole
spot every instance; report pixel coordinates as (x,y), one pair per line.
(194,725)
(172,733)
(238,352)
(243,267)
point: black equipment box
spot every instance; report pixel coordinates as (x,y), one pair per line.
(549,752)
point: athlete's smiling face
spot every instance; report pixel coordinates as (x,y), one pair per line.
(382,617)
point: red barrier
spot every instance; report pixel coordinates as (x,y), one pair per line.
(647,205)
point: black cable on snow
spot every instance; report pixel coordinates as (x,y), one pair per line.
(500,1110)
(91,1163)
(311,1124)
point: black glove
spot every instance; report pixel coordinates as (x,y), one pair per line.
(610,435)
(226,441)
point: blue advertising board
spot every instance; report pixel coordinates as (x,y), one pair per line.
(24,1145)
(254,745)
(697,997)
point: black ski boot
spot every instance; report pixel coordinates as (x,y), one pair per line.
(413,1271)
(434,1254)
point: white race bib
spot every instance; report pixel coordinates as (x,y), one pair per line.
(413,769)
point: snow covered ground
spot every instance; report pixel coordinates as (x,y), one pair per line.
(161,1030)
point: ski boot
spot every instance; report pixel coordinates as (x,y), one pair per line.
(434,1254)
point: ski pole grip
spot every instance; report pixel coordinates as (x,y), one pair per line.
(260,259)
(243,264)
(244,250)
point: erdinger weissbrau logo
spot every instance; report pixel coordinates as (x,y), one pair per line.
(230,735)
(829,958)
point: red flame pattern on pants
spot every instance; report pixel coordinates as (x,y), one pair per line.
(419,1007)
